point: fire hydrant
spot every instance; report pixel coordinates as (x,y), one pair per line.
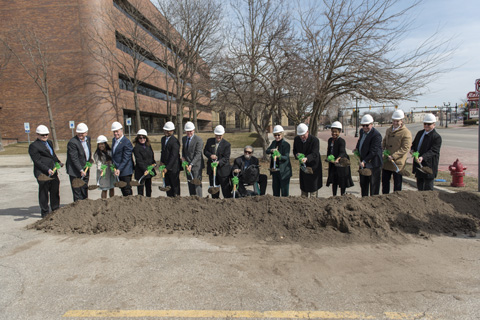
(457,172)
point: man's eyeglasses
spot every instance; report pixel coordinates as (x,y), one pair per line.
(248,152)
(365,125)
(428,124)
(44,135)
(277,135)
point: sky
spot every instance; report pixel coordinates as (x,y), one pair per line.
(459,20)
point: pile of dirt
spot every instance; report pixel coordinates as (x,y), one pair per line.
(336,219)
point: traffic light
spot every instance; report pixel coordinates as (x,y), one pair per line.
(369,107)
(396,107)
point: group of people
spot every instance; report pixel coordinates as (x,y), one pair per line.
(116,164)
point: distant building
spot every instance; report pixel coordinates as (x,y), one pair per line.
(78,83)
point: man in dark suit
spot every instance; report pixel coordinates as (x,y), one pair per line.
(170,157)
(241,168)
(192,146)
(122,150)
(369,145)
(44,159)
(79,151)
(308,145)
(428,143)
(218,149)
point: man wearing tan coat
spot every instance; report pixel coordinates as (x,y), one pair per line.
(397,140)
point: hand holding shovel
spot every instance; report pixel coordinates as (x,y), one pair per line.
(43,177)
(303,167)
(118,184)
(163,187)
(362,171)
(87,166)
(103,169)
(423,169)
(147,172)
(276,155)
(188,172)
(214,189)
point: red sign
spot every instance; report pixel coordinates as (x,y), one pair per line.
(472,96)
(477,85)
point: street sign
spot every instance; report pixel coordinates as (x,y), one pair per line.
(26,125)
(473,113)
(472,96)
(128,121)
(71,124)
(477,85)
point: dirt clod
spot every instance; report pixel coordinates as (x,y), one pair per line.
(332,220)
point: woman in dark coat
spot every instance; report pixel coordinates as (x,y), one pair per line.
(144,157)
(338,176)
(281,176)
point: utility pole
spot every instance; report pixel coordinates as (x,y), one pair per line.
(356,116)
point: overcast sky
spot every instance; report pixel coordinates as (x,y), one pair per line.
(460,20)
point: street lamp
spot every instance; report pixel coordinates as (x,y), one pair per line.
(356,116)
(447,107)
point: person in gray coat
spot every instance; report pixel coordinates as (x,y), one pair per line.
(79,152)
(192,146)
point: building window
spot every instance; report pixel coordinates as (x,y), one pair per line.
(145,89)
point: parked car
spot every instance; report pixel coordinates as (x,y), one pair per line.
(327,126)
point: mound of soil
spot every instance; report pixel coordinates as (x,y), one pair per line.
(336,219)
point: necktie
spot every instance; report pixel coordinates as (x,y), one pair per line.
(188,143)
(49,148)
(421,141)
(85,148)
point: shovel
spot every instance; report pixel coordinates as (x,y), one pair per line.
(276,155)
(214,189)
(163,187)
(120,184)
(43,177)
(103,167)
(79,182)
(401,172)
(423,169)
(149,171)
(363,171)
(188,173)
(235,184)
(303,167)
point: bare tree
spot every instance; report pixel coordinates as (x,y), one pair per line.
(191,30)
(353,49)
(34,56)
(4,59)
(253,76)
(134,33)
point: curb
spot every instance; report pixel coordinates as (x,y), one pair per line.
(413,183)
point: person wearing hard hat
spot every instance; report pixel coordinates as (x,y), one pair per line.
(369,146)
(79,152)
(309,146)
(103,157)
(397,143)
(144,157)
(192,146)
(219,149)
(122,150)
(428,143)
(170,157)
(282,172)
(338,176)
(44,159)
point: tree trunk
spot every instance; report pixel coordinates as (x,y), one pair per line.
(1,144)
(138,121)
(50,118)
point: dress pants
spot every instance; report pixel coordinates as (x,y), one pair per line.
(224,183)
(82,192)
(280,187)
(172,179)
(127,190)
(397,181)
(147,187)
(44,188)
(371,184)
(424,184)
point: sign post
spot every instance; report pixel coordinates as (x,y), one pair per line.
(129,123)
(477,89)
(71,125)
(26,125)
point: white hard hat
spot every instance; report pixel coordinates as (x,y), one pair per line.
(142,132)
(366,119)
(302,129)
(81,128)
(169,126)
(429,118)
(41,129)
(219,130)
(189,126)
(398,115)
(116,126)
(336,125)
(277,129)
(102,139)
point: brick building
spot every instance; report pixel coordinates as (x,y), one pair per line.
(82,87)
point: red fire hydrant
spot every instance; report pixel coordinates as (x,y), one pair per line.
(457,172)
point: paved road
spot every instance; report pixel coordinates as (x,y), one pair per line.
(45,276)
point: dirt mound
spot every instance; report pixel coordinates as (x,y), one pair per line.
(333,220)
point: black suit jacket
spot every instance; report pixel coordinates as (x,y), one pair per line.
(371,151)
(223,156)
(144,157)
(41,157)
(170,156)
(239,163)
(76,158)
(429,150)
